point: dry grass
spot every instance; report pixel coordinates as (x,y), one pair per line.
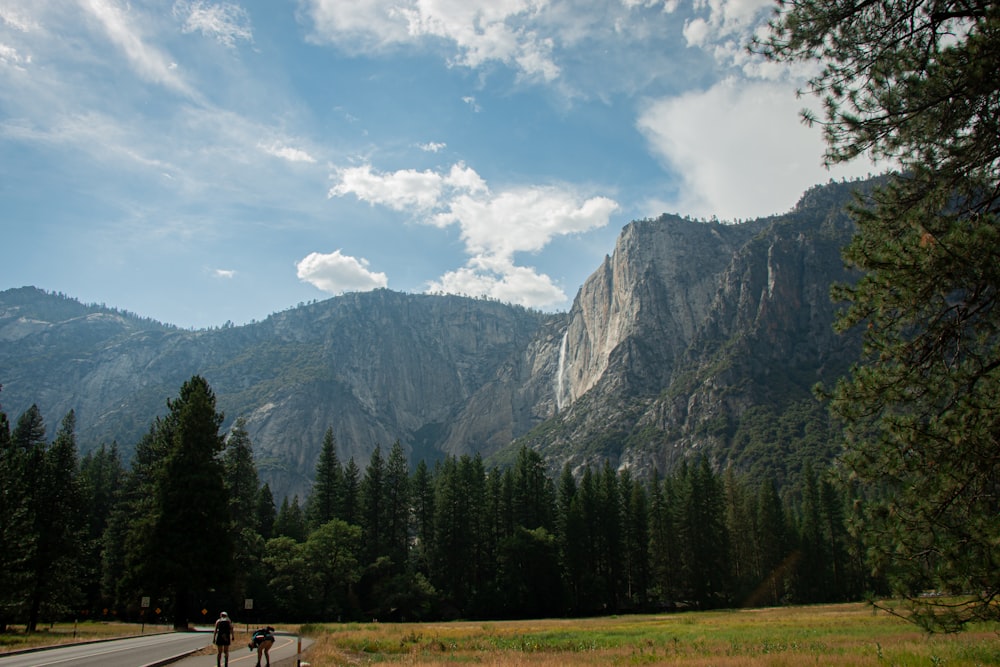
(16,639)
(834,635)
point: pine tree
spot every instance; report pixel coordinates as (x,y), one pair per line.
(916,83)
(241,479)
(397,507)
(664,554)
(704,538)
(290,521)
(15,526)
(422,485)
(533,500)
(58,530)
(28,447)
(185,547)
(265,512)
(101,476)
(374,531)
(636,541)
(326,498)
(772,548)
(242,486)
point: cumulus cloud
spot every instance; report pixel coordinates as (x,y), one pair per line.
(480,31)
(500,280)
(337,273)
(738,148)
(494,226)
(225,21)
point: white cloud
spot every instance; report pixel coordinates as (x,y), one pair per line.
(287,153)
(738,148)
(14,19)
(433,146)
(471,101)
(227,274)
(522,219)
(148,61)
(400,191)
(493,225)
(481,31)
(227,22)
(10,56)
(502,281)
(336,273)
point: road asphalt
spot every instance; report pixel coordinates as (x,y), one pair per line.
(284,653)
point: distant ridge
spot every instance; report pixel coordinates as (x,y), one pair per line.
(690,337)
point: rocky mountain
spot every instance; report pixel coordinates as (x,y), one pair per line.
(687,335)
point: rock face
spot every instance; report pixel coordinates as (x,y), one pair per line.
(682,328)
(687,325)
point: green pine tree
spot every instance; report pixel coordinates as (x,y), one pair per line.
(184,548)
(326,498)
(916,83)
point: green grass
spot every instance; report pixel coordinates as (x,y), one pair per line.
(817,635)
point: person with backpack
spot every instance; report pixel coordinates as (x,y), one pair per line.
(223,637)
(263,640)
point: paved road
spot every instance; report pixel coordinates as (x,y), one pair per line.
(131,652)
(284,651)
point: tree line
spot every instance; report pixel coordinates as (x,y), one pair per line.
(188,526)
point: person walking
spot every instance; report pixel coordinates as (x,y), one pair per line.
(222,638)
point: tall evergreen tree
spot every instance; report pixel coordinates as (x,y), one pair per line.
(101,476)
(664,558)
(326,498)
(572,538)
(374,529)
(397,507)
(242,487)
(636,541)
(59,531)
(15,526)
(265,512)
(915,83)
(705,541)
(351,510)
(56,532)
(291,520)
(241,479)
(422,485)
(186,548)
(27,458)
(533,499)
(772,548)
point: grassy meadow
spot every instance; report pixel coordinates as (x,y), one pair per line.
(834,635)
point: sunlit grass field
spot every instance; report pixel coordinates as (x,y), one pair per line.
(835,635)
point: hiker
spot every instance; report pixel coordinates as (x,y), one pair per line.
(222,638)
(263,640)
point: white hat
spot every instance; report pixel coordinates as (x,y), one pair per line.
(225,615)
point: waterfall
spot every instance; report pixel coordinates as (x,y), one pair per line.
(560,373)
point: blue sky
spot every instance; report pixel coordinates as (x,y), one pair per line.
(202,161)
